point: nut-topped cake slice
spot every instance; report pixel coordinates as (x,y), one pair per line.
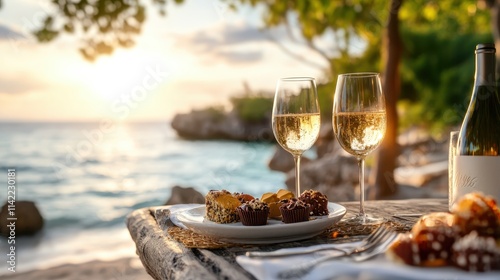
(221,207)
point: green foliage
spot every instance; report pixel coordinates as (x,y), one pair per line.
(215,113)
(437,77)
(438,60)
(449,16)
(325,100)
(253,108)
(103,25)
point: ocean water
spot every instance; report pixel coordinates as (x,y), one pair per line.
(86,177)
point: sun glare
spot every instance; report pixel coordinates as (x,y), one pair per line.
(115,76)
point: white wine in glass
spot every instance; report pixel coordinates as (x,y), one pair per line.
(296,118)
(359,123)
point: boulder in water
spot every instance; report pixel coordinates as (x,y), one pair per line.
(212,124)
(181,195)
(283,160)
(29,220)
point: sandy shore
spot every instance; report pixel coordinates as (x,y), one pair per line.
(121,269)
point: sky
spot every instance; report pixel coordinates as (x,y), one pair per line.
(198,55)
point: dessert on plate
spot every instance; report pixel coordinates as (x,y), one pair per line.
(274,201)
(317,201)
(243,197)
(476,253)
(220,207)
(429,242)
(477,212)
(467,238)
(253,213)
(294,210)
(284,194)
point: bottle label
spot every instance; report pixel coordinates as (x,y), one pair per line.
(476,174)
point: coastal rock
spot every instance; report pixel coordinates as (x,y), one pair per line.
(211,124)
(335,176)
(283,160)
(421,175)
(29,220)
(337,193)
(326,141)
(414,136)
(419,148)
(182,195)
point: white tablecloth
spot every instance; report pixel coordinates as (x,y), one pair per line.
(377,268)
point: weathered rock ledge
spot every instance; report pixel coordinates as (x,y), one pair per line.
(206,124)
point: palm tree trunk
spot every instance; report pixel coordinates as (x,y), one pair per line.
(383,176)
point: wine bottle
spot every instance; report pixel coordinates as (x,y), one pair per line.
(477,165)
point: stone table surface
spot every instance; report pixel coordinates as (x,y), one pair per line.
(165,258)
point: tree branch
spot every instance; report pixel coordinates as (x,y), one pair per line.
(292,54)
(289,31)
(311,44)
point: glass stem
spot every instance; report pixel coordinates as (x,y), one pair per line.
(296,158)
(361,165)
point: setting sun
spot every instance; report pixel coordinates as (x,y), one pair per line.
(116,75)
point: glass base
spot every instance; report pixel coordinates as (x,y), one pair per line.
(365,219)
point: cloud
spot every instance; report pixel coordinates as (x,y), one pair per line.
(240,57)
(19,85)
(229,35)
(8,33)
(226,43)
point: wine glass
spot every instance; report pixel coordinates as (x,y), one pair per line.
(359,123)
(296,118)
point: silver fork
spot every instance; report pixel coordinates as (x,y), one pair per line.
(357,255)
(365,244)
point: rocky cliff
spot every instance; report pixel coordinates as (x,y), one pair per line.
(207,124)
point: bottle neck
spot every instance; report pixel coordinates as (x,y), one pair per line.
(485,68)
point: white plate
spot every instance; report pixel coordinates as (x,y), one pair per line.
(274,232)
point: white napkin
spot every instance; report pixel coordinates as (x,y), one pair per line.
(177,208)
(377,268)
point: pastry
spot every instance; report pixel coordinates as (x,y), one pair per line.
(243,197)
(464,238)
(253,213)
(274,201)
(294,210)
(317,201)
(221,207)
(404,250)
(284,194)
(429,243)
(476,253)
(476,212)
